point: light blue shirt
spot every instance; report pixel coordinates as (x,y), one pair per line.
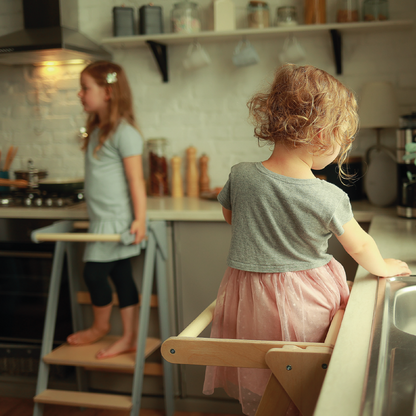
(107,191)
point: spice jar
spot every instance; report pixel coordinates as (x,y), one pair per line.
(347,11)
(375,10)
(158,167)
(315,12)
(258,14)
(286,16)
(185,17)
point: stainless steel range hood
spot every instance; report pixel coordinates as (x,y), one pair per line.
(50,34)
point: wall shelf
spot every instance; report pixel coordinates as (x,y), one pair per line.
(159,42)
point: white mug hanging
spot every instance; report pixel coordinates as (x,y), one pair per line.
(196,57)
(245,54)
(292,51)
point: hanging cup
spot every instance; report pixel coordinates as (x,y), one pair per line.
(245,54)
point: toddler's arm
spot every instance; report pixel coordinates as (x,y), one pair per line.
(363,249)
(227,214)
(134,174)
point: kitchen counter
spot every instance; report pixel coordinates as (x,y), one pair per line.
(171,209)
(343,386)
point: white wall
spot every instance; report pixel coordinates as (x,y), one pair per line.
(40,113)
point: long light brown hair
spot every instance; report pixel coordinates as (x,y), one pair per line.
(302,102)
(120,103)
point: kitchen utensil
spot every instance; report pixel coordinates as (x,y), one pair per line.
(258,14)
(177,184)
(245,54)
(292,51)
(150,19)
(123,21)
(196,57)
(315,12)
(9,158)
(286,16)
(185,17)
(61,185)
(192,184)
(18,183)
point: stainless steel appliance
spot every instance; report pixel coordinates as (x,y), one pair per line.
(406,169)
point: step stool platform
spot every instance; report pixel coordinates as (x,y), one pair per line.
(82,399)
(84,355)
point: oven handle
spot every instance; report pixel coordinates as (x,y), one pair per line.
(25,254)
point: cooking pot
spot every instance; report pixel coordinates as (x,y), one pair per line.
(58,185)
(24,174)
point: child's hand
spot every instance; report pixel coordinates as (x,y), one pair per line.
(396,268)
(138,228)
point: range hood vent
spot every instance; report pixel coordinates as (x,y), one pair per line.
(50,34)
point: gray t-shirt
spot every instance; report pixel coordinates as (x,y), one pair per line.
(281,224)
(107,192)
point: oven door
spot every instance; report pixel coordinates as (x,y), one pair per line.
(24,283)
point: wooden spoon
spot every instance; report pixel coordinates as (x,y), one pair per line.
(8,157)
(18,183)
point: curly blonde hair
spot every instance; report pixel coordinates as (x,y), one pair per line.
(120,103)
(302,102)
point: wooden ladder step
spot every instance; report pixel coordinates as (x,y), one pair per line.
(84,355)
(84,298)
(83,399)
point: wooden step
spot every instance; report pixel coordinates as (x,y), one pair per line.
(84,355)
(84,298)
(82,399)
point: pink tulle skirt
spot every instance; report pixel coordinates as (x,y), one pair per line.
(293,306)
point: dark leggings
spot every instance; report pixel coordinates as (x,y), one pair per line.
(96,278)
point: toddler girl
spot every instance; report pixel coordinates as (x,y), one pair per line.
(281,284)
(116,201)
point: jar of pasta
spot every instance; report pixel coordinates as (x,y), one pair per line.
(375,10)
(347,11)
(185,17)
(158,167)
(258,14)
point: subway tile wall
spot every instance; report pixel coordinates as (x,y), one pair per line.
(206,108)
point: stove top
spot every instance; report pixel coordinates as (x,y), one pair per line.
(37,199)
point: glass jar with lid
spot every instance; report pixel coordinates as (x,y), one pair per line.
(158,167)
(286,16)
(347,11)
(258,14)
(185,17)
(375,10)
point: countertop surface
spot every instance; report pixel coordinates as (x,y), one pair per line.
(343,386)
(170,209)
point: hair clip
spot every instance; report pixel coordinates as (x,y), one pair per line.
(111,77)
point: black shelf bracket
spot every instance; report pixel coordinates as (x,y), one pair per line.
(160,52)
(337,47)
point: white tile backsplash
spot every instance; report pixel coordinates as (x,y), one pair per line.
(40,111)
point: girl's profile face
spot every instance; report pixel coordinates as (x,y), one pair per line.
(323,160)
(94,98)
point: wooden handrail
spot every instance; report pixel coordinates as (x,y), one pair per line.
(200,322)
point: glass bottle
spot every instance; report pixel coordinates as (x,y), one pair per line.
(375,10)
(158,167)
(185,17)
(258,14)
(347,11)
(286,16)
(315,12)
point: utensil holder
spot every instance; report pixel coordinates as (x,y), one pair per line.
(4,175)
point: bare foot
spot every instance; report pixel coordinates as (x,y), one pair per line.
(121,346)
(88,336)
